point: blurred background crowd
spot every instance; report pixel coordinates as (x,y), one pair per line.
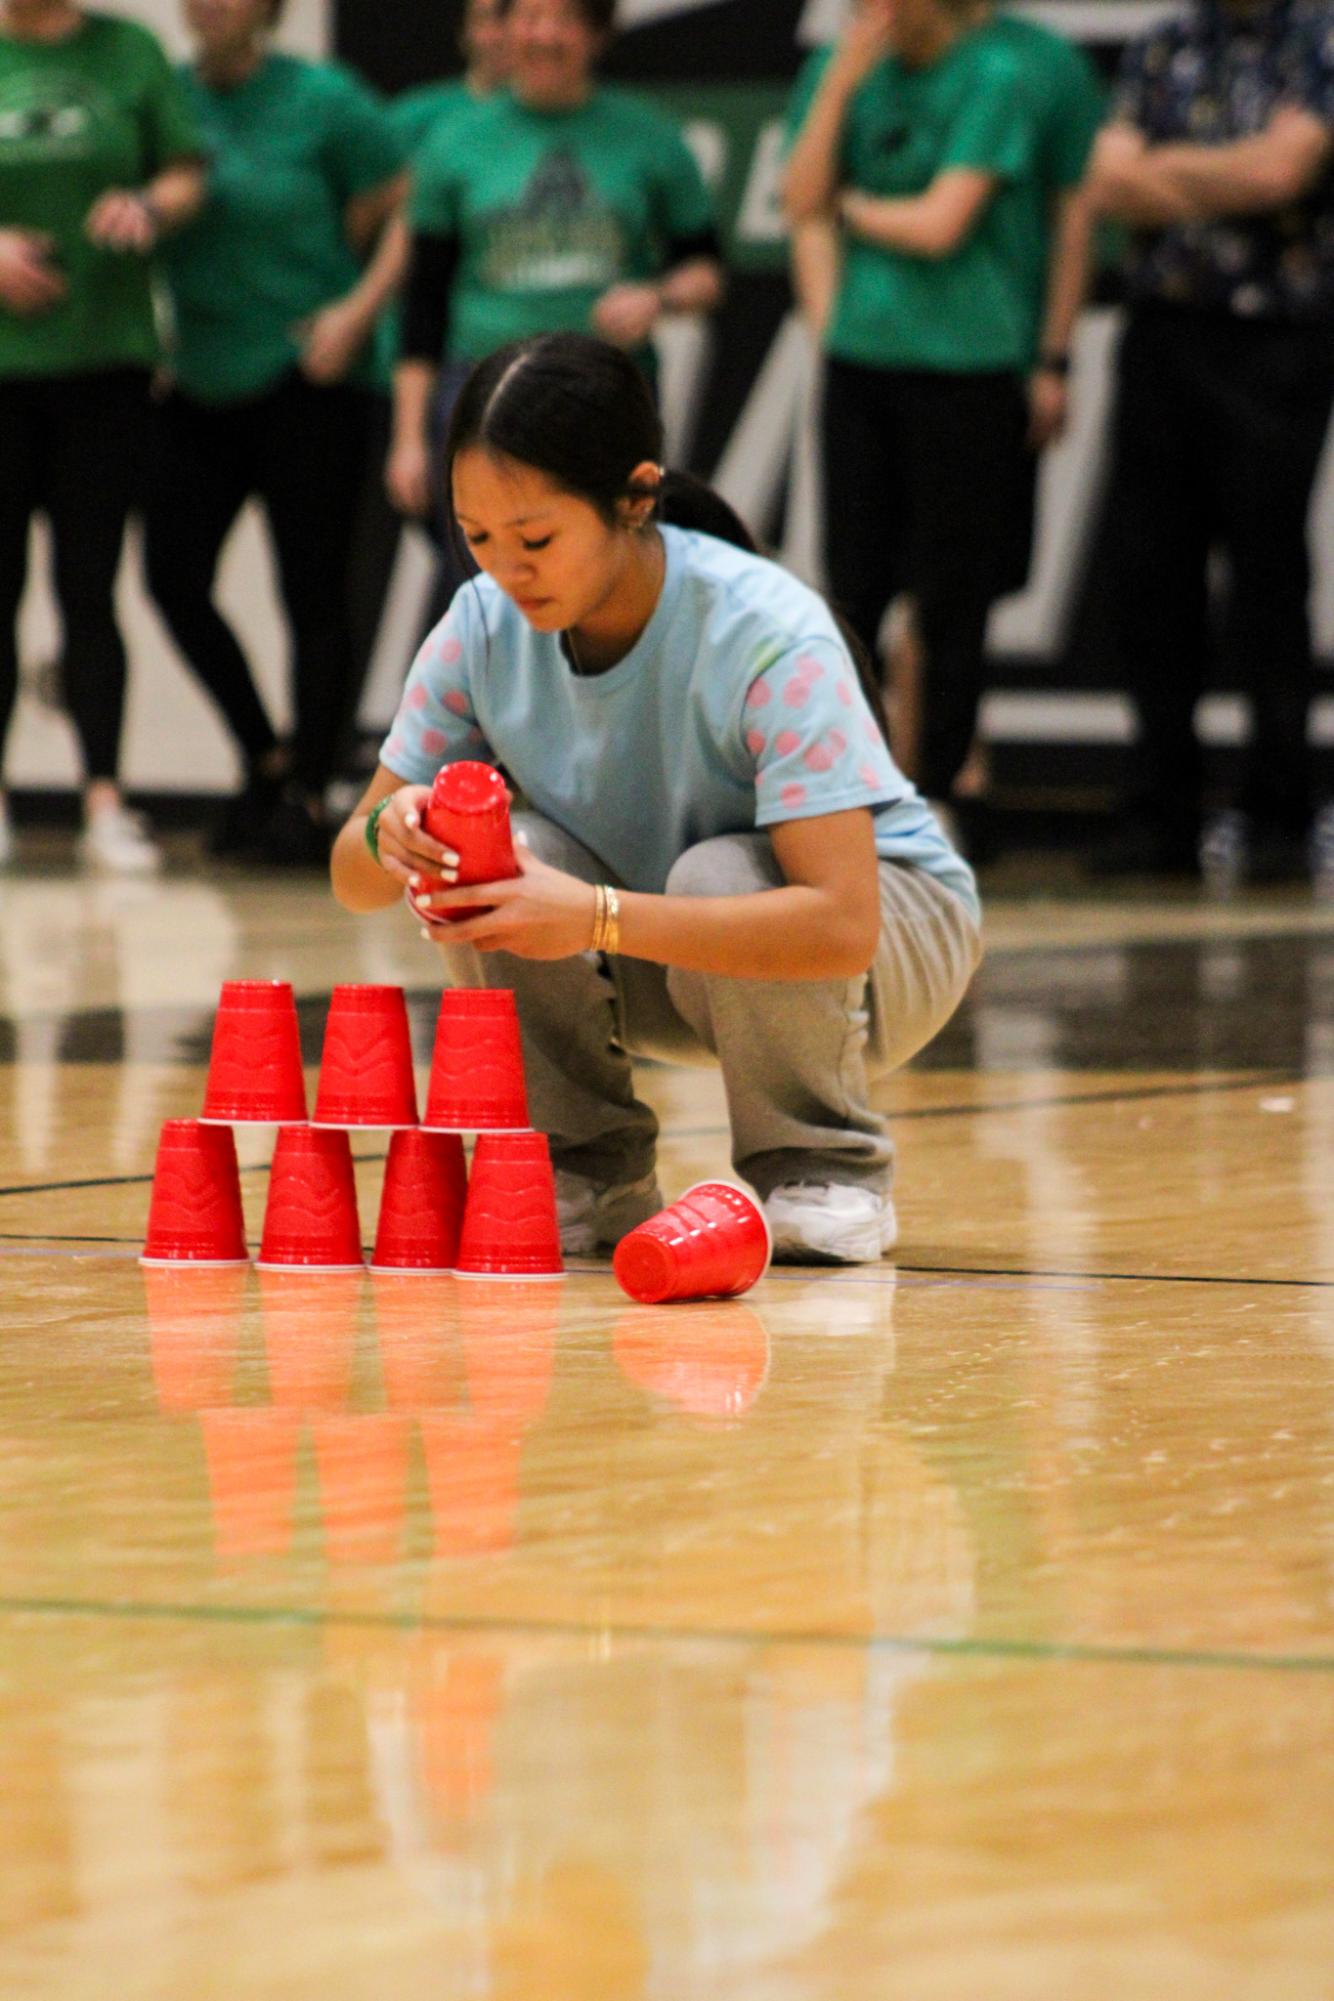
(866,252)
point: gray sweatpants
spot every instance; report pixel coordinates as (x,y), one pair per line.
(797,1057)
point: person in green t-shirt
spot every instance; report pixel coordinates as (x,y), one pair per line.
(1054,242)
(99,159)
(561,206)
(277,289)
(419,117)
(917,133)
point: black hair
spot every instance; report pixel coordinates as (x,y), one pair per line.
(581,411)
(599,15)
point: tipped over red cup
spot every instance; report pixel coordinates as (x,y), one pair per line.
(254,1071)
(469,813)
(714,1243)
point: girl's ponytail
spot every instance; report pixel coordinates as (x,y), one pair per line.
(686,502)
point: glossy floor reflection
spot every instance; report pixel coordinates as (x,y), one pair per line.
(960,1628)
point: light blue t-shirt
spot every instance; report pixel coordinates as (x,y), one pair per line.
(738,708)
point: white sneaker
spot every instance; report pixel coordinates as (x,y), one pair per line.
(830,1224)
(119,843)
(595,1216)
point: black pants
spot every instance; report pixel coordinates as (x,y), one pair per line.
(925,477)
(301,450)
(1219,429)
(70,447)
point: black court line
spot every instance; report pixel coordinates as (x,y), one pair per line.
(831,1275)
(1202,1088)
(1119,1277)
(139,1181)
(1054,1651)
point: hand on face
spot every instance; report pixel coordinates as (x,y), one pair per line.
(867,39)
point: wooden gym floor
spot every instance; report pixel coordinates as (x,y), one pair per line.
(961,1630)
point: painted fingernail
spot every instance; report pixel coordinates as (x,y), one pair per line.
(415,882)
(412,820)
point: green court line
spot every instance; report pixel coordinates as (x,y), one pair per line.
(313,1617)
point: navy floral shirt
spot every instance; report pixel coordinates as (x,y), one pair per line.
(1212,77)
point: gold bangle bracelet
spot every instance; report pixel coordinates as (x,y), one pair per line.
(606,919)
(611,930)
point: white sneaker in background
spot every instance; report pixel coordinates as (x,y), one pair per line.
(118,842)
(833,1224)
(594,1216)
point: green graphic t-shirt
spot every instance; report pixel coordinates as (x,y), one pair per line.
(289,148)
(971,311)
(550,208)
(99,110)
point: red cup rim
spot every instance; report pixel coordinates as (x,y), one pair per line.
(465,999)
(411,1271)
(383,987)
(196,1264)
(269,1264)
(365,1125)
(221,1119)
(715,1182)
(509,1277)
(473,1127)
(255,987)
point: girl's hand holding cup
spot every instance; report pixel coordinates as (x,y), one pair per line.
(404,848)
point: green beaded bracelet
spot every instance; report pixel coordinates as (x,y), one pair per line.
(373,827)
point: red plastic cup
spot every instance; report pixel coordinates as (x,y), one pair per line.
(363,1474)
(254,1071)
(509,1226)
(477,1080)
(421,1207)
(711,1361)
(194,1333)
(310,1221)
(713,1244)
(469,811)
(366,1071)
(252,1478)
(195,1216)
(310,1336)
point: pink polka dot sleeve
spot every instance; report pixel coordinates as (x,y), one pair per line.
(815,744)
(436,723)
